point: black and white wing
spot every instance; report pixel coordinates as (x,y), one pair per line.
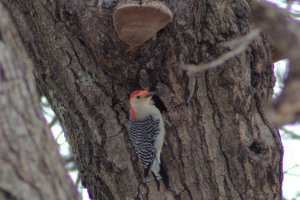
(143,135)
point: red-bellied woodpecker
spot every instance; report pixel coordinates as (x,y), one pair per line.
(146,131)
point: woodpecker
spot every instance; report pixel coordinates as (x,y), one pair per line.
(146,131)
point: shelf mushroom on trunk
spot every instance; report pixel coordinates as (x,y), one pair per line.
(135,22)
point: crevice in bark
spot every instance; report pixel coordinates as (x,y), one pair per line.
(6,194)
(217,118)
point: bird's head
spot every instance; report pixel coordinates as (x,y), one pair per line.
(138,99)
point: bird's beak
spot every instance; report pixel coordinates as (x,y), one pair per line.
(150,94)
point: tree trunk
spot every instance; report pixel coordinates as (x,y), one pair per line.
(30,166)
(219,144)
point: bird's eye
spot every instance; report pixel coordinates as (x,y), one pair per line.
(138,97)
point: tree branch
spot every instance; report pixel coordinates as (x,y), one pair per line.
(285,34)
(30,165)
(237,46)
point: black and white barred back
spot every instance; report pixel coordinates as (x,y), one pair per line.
(143,134)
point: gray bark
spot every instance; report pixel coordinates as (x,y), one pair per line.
(219,144)
(30,166)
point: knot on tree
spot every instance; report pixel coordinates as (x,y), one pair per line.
(256,147)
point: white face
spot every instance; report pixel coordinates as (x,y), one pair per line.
(140,99)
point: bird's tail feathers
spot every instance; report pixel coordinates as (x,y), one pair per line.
(155,168)
(164,175)
(159,173)
(146,171)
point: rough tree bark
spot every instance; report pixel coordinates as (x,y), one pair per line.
(30,166)
(219,144)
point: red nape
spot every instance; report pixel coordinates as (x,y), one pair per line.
(132,113)
(136,92)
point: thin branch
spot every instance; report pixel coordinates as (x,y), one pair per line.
(293,167)
(290,133)
(291,174)
(238,46)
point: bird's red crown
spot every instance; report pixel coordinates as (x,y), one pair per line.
(136,92)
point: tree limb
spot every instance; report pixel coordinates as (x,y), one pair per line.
(285,34)
(30,165)
(237,46)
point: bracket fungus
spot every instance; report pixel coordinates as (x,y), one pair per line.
(136,23)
